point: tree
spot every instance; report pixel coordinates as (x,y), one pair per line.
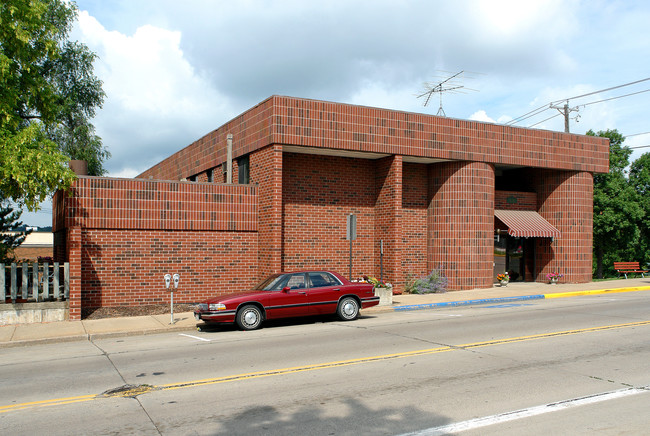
(616,207)
(9,239)
(640,182)
(48,95)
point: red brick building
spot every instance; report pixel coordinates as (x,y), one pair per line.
(470,198)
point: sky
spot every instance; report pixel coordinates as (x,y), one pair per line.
(175,70)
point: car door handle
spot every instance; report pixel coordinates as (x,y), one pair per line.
(302,293)
(337,289)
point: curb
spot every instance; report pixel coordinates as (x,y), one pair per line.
(466,302)
(518,298)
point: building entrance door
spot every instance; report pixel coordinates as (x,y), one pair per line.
(510,256)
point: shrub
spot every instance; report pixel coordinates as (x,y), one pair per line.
(435,282)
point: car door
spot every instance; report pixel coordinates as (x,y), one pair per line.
(285,303)
(324,292)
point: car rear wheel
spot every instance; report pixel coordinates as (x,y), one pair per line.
(249,317)
(348,309)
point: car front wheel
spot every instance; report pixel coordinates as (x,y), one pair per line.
(348,309)
(249,317)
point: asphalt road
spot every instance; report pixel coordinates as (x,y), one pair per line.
(567,366)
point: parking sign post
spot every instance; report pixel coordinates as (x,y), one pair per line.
(351,235)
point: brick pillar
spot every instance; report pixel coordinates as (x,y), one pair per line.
(266,170)
(388,225)
(461,223)
(565,200)
(73,245)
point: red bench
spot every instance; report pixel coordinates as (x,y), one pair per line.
(628,267)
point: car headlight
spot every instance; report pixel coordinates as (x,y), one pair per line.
(217,306)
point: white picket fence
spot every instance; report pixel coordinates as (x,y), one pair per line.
(34,282)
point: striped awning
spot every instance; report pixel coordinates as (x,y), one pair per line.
(526,224)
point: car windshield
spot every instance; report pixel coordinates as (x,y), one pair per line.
(270,283)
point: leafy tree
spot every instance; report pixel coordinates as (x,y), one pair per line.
(9,240)
(48,94)
(640,182)
(616,208)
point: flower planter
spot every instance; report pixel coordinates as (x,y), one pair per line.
(504,282)
(385,296)
(554,280)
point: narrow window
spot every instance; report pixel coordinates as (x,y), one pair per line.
(209,174)
(244,174)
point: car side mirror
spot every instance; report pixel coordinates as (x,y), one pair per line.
(286,289)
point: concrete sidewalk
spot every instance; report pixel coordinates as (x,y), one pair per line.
(25,334)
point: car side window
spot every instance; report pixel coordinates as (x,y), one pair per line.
(296,281)
(321,279)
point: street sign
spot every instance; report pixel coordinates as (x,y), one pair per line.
(351,230)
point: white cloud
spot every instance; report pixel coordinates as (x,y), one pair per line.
(156,101)
(481,115)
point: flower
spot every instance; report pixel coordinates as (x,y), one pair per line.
(553,275)
(502,277)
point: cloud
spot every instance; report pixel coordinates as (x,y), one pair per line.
(156,101)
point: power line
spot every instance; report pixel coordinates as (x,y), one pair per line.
(640,146)
(567,110)
(602,90)
(614,98)
(549,118)
(637,134)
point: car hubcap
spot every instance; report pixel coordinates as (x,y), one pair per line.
(348,309)
(250,317)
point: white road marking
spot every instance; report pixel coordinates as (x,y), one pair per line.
(194,337)
(525,413)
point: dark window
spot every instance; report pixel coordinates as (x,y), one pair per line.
(209,174)
(321,279)
(224,171)
(244,173)
(192,178)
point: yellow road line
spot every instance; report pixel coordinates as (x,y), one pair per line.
(324,365)
(598,291)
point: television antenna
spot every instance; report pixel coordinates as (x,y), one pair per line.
(449,84)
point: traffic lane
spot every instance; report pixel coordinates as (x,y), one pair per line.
(371,398)
(485,322)
(108,416)
(158,360)
(63,370)
(451,375)
(627,415)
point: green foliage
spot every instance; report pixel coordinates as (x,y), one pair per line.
(48,94)
(640,182)
(8,222)
(617,210)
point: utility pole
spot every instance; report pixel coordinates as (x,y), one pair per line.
(565,110)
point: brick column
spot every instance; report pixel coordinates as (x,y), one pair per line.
(566,200)
(461,223)
(73,245)
(388,224)
(266,170)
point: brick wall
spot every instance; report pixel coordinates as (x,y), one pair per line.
(461,223)
(321,124)
(415,202)
(266,170)
(319,192)
(388,219)
(566,201)
(99,202)
(513,200)
(122,235)
(123,267)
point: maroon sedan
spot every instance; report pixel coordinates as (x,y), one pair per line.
(287,295)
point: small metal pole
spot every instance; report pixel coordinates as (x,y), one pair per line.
(172,303)
(381,260)
(350,260)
